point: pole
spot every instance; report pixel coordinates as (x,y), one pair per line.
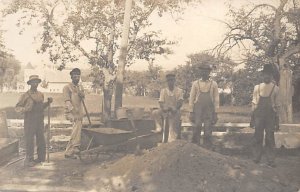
(48,135)
(123,54)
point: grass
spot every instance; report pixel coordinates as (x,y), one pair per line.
(94,106)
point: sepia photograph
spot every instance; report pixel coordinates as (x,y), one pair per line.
(149,95)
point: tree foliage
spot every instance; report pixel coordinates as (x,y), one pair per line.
(9,68)
(92,29)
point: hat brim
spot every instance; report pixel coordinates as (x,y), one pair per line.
(31,80)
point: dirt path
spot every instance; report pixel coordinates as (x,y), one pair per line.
(174,167)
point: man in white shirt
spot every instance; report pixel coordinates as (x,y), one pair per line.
(265,105)
(170,102)
(204,99)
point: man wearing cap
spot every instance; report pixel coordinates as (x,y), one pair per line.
(265,105)
(204,99)
(32,105)
(170,102)
(73,94)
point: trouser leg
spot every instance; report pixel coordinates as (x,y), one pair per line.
(157,117)
(41,144)
(74,143)
(258,139)
(270,141)
(207,137)
(197,132)
(29,142)
(174,120)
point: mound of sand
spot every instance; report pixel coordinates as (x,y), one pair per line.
(185,167)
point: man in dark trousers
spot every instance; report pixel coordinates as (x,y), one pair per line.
(73,94)
(265,106)
(204,99)
(32,105)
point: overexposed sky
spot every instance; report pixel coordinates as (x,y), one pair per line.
(198,30)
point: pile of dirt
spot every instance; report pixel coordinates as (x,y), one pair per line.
(182,166)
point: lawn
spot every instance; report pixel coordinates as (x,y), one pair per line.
(94,106)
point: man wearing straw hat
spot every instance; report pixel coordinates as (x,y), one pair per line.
(204,99)
(73,94)
(170,102)
(32,105)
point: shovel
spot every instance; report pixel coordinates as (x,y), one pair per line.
(48,135)
(87,113)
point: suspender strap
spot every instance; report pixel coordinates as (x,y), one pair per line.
(208,89)
(272,91)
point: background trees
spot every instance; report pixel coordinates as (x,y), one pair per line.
(90,30)
(274,32)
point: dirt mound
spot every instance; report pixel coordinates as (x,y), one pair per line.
(182,166)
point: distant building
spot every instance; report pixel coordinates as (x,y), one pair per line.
(53,80)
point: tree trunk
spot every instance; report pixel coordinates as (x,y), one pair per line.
(286,93)
(106,104)
(122,57)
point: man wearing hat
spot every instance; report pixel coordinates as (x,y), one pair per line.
(204,99)
(32,105)
(265,105)
(73,94)
(170,102)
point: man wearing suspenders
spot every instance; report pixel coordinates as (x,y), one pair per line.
(265,105)
(204,99)
(32,105)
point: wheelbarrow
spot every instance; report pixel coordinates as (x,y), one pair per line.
(112,140)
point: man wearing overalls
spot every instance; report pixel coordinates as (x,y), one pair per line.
(73,94)
(265,105)
(204,99)
(170,102)
(32,105)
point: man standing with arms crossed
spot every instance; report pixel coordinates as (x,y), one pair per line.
(73,95)
(204,99)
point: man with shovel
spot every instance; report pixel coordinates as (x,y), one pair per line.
(170,102)
(32,105)
(73,95)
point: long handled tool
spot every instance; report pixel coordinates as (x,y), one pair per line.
(48,135)
(87,113)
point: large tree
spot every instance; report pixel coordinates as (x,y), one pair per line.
(274,31)
(91,29)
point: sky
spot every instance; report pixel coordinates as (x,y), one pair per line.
(200,29)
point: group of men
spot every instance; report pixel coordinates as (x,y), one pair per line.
(32,105)
(203,102)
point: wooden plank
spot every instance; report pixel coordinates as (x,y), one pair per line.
(8,149)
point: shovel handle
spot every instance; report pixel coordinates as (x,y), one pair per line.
(48,135)
(87,113)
